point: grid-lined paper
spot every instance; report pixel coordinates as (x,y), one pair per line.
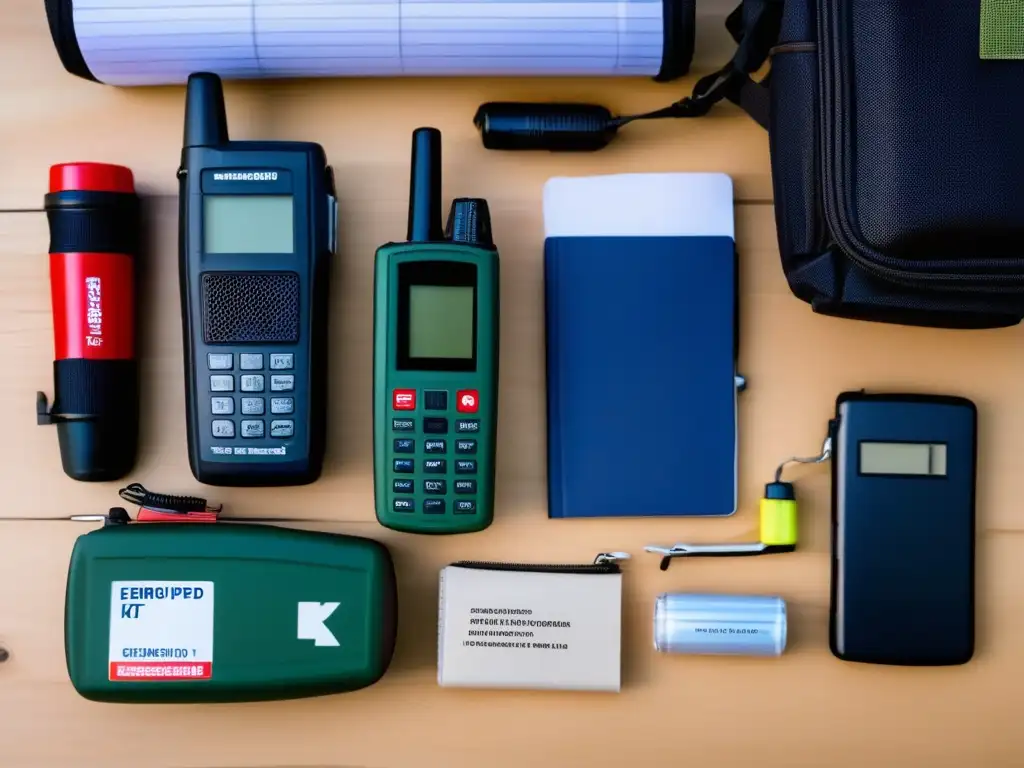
(152,42)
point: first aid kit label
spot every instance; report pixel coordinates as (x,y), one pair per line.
(161,630)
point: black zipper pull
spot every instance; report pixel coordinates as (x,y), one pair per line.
(605,562)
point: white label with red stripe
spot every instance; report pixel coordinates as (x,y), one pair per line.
(161,630)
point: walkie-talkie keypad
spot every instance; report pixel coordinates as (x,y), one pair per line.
(282,428)
(252,428)
(252,382)
(222,406)
(219,362)
(282,405)
(250,362)
(428,448)
(435,426)
(252,406)
(238,390)
(282,383)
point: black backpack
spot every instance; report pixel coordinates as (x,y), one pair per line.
(897,154)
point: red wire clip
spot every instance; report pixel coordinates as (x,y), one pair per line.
(165,508)
(147,515)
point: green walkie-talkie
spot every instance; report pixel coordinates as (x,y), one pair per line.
(435,366)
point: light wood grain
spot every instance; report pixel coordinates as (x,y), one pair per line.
(804,709)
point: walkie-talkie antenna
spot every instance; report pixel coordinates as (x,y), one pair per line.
(425,187)
(206,121)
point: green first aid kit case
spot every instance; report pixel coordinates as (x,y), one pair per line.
(201,612)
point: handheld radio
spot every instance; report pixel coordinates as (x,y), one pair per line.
(258,226)
(435,365)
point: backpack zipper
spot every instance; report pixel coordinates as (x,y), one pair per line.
(606,562)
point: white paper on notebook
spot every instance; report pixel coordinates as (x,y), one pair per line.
(143,42)
(639,204)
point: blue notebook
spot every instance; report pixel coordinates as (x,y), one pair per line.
(641,346)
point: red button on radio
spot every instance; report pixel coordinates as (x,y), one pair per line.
(467,401)
(403,399)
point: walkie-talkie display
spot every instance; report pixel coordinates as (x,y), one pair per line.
(436,361)
(258,227)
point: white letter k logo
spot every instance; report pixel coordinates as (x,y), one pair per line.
(311,623)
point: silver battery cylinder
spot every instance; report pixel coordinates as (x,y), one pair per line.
(727,625)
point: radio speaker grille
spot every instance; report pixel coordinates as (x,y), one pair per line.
(250,307)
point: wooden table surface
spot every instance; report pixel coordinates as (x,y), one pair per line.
(803,709)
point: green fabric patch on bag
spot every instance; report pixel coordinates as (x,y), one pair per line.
(1002,29)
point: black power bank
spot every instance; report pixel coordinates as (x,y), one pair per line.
(903,538)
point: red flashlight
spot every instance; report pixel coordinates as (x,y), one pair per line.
(93,214)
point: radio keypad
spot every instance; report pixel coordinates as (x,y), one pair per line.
(282,383)
(252,406)
(224,403)
(435,400)
(252,382)
(219,362)
(282,428)
(250,362)
(282,405)
(435,426)
(252,428)
(222,406)
(431,458)
(282,361)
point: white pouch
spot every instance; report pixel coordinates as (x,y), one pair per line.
(554,627)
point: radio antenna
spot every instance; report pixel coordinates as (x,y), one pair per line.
(425,187)
(206,122)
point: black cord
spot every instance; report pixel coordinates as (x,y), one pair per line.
(136,493)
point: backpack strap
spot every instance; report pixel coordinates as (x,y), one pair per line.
(755,26)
